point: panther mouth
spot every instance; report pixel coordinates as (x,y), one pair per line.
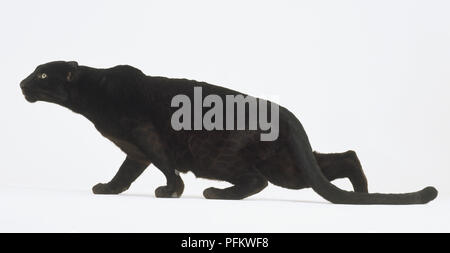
(38,95)
(29,96)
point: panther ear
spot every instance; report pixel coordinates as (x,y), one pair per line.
(69,76)
(71,73)
(73,64)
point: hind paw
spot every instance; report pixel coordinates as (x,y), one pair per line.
(213,193)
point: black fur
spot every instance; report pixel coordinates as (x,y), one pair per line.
(133,111)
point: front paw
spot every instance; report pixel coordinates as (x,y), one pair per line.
(166,192)
(106,189)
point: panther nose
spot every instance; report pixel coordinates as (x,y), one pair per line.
(23,84)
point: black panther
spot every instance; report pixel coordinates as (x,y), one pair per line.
(134,111)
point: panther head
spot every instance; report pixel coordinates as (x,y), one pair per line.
(50,82)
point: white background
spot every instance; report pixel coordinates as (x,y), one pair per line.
(372,76)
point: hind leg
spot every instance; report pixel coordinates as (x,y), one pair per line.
(343,165)
(246,182)
(244,186)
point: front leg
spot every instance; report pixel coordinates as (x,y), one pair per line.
(128,172)
(174,187)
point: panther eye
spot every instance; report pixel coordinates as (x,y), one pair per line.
(42,76)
